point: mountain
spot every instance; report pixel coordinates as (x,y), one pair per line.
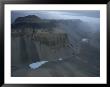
(31,21)
(35,39)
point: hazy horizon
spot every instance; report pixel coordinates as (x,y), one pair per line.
(85,15)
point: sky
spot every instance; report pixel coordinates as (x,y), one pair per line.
(85,15)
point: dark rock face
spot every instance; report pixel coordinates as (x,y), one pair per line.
(23,51)
(29,35)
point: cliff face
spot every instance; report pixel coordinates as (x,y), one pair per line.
(34,44)
(40,45)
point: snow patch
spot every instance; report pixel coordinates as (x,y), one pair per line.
(37,64)
(84,40)
(60,59)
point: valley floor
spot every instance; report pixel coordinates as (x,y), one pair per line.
(70,67)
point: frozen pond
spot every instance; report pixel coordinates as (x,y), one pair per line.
(37,64)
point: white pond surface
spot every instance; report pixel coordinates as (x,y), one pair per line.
(37,64)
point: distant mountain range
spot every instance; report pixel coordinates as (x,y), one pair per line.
(31,21)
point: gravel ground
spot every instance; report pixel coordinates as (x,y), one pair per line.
(71,67)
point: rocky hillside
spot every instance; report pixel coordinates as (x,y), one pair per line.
(38,43)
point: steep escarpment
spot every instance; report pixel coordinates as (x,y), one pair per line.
(32,44)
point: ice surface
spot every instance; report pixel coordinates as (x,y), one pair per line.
(37,64)
(60,59)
